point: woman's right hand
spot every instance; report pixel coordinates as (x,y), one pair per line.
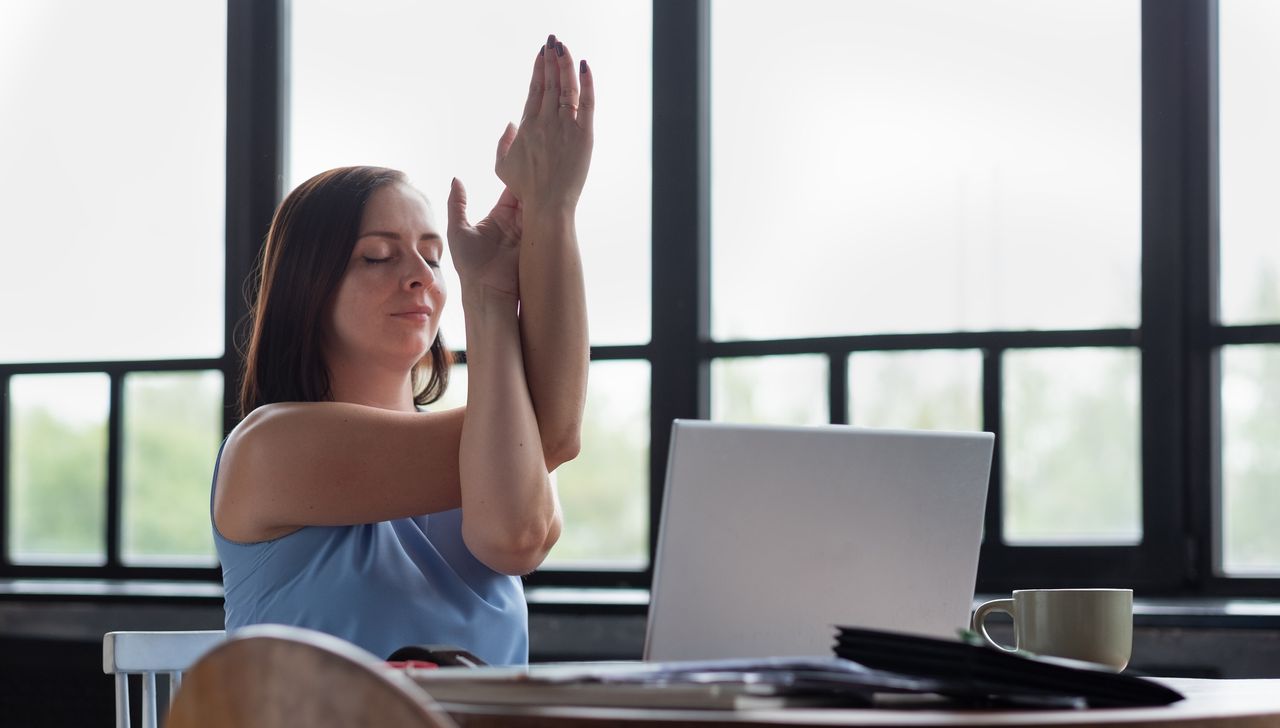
(544,162)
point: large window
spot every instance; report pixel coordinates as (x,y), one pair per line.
(409,106)
(1249,301)
(112,358)
(1048,220)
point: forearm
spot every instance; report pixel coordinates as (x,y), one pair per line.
(553,329)
(510,513)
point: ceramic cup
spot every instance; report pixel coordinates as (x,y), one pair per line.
(1094,625)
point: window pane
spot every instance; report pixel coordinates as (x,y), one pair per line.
(172,428)
(438,99)
(58,468)
(928,165)
(113,188)
(1249,114)
(605,490)
(1250,459)
(917,390)
(778,390)
(1072,459)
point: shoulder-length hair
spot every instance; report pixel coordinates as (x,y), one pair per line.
(311,238)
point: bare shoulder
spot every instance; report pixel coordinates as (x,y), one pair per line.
(294,464)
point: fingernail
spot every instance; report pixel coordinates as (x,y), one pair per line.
(582,66)
(551,40)
(542,52)
(560,49)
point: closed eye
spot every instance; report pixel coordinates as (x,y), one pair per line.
(375,261)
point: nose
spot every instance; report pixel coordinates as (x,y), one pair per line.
(421,275)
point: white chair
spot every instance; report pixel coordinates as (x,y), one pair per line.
(149,653)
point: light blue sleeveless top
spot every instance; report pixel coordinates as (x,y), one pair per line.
(382,586)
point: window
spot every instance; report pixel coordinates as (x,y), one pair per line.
(430,121)
(932,215)
(936,222)
(1248,331)
(113,358)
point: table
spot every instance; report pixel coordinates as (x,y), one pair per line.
(1226,703)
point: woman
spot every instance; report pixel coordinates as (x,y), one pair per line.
(337,504)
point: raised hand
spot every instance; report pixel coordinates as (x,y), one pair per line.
(544,162)
(487,253)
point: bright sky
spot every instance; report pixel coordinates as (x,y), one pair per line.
(917,165)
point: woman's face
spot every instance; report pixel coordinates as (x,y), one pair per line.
(388,304)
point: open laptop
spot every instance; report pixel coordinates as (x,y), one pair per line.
(770,536)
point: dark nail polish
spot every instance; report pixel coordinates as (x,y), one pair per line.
(560,49)
(551,40)
(542,52)
(582,66)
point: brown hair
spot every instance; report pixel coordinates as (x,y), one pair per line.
(311,238)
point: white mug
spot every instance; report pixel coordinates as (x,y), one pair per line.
(1094,625)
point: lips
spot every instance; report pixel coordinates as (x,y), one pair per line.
(415,311)
(416,315)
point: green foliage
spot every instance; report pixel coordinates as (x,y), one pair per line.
(779,390)
(172,430)
(604,491)
(1251,462)
(908,391)
(1072,452)
(58,481)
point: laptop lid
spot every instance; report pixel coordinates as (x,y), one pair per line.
(771,535)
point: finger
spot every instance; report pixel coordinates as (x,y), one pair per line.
(550,78)
(504,142)
(532,103)
(457,205)
(567,101)
(587,101)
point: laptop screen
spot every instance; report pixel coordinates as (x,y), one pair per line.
(771,536)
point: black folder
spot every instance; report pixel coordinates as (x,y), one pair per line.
(983,676)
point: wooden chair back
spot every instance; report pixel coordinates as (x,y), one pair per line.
(272,676)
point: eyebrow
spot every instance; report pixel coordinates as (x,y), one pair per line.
(396,236)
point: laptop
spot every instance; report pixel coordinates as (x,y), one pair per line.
(770,536)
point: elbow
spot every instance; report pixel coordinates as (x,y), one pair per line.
(563,449)
(512,552)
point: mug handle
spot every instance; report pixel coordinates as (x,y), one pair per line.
(979,623)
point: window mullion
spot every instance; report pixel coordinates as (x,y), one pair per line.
(5,562)
(257,54)
(1175,222)
(115,467)
(681,232)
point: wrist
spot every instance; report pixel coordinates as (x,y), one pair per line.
(548,214)
(486,297)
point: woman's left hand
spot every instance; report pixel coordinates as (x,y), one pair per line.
(487,253)
(545,161)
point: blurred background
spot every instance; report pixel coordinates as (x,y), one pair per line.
(1053,220)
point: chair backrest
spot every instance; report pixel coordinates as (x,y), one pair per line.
(148,654)
(272,676)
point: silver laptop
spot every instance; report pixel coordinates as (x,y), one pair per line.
(770,536)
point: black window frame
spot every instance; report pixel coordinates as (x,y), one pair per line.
(1179,338)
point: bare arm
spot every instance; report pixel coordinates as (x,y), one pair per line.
(295,464)
(546,164)
(553,329)
(510,513)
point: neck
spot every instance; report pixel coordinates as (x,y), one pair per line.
(371,384)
